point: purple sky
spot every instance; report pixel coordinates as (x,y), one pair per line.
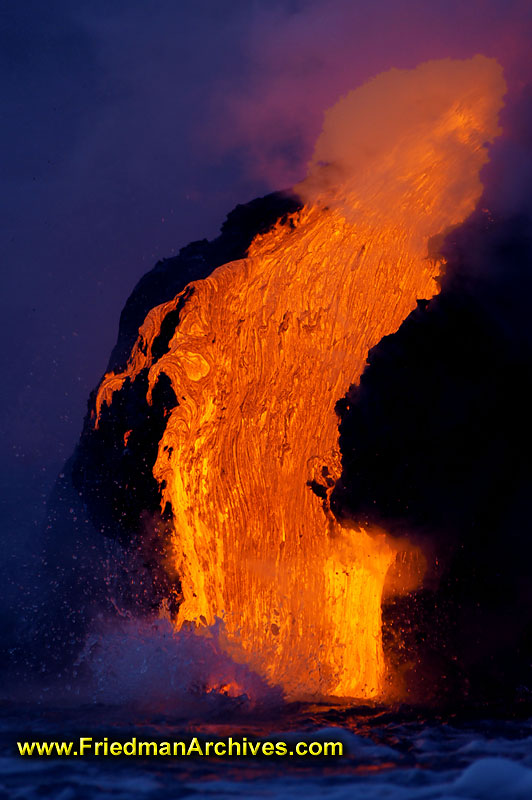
(131,128)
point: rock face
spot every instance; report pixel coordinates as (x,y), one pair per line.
(436,444)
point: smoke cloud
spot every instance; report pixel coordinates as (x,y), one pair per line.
(397,133)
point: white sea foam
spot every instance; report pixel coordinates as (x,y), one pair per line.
(144,663)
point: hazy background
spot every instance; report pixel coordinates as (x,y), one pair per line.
(131,128)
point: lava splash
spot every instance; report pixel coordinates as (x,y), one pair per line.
(265,347)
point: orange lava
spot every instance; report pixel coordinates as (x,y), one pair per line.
(266,346)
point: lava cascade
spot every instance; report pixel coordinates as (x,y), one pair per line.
(263,350)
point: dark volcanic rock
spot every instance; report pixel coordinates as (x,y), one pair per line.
(436,445)
(195,261)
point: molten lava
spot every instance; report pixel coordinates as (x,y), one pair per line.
(266,346)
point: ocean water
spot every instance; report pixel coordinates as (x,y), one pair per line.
(139,679)
(385,756)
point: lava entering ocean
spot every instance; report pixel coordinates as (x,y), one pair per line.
(265,347)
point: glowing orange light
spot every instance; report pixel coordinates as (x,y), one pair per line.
(266,346)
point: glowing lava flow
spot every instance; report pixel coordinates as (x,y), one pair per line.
(263,350)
